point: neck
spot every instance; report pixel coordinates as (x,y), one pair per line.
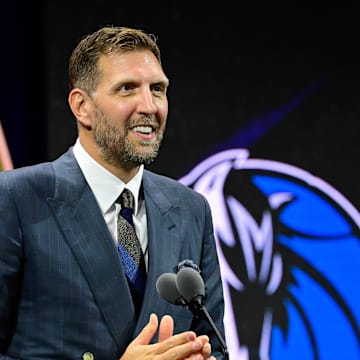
(125,173)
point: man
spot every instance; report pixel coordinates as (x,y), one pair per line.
(64,291)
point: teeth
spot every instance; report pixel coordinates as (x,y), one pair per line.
(143,129)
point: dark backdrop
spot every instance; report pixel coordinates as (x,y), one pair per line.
(22,86)
(228,66)
(280,81)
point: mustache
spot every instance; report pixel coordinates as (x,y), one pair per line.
(146,120)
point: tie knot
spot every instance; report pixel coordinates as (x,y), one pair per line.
(126,199)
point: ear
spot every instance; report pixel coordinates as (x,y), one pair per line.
(80,104)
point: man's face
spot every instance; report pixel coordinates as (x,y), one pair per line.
(130,108)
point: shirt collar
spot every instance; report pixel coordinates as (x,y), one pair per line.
(105,186)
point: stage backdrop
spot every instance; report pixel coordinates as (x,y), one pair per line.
(264,121)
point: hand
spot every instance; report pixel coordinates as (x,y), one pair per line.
(183,346)
(166,330)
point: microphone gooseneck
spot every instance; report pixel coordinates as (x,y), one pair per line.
(192,288)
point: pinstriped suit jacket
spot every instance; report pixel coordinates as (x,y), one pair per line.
(62,288)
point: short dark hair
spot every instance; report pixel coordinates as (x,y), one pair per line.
(83,63)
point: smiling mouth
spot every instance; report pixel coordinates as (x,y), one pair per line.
(143,129)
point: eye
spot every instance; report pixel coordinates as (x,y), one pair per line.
(126,87)
(159,89)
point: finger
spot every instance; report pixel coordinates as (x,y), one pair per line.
(206,350)
(177,344)
(148,332)
(180,346)
(166,328)
(203,338)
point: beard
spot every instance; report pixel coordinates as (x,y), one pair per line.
(115,147)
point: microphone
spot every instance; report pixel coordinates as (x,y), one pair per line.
(167,289)
(187,288)
(191,286)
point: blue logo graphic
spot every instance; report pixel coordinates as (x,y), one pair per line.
(289,246)
(289,249)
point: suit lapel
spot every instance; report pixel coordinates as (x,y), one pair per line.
(86,233)
(162,217)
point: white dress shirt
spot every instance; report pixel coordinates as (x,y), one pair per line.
(107,188)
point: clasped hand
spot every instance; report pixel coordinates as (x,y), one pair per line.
(183,346)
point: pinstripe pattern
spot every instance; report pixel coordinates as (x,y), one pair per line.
(56,250)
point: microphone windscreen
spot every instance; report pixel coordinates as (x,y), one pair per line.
(190,283)
(167,289)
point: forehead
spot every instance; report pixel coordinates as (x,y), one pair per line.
(140,63)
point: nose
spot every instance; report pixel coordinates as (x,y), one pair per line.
(146,103)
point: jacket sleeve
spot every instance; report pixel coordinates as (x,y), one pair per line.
(10,262)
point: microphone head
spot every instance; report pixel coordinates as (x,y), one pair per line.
(190,284)
(167,289)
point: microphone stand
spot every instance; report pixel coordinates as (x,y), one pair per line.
(199,310)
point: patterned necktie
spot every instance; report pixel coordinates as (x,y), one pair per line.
(131,254)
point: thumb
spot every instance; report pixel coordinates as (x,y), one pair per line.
(148,332)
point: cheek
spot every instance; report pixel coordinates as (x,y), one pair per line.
(163,112)
(120,112)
